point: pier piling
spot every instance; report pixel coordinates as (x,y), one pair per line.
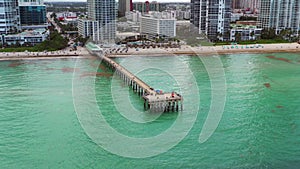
(154,101)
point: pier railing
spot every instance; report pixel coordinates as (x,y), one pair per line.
(153,100)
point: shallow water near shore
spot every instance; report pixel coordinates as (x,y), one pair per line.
(260,126)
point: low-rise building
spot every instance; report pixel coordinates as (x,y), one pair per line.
(244,32)
(66,15)
(32,37)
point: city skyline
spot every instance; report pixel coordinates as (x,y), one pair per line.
(117,0)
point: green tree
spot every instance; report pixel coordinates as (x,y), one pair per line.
(268,33)
(238,36)
(252,34)
(248,18)
(53,15)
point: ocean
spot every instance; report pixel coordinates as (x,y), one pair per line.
(240,111)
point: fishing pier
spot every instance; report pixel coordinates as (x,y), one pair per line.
(154,100)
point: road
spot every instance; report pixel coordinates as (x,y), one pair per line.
(53,22)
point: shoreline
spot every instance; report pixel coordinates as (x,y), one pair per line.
(212,50)
(200,53)
(62,54)
(184,50)
(45,57)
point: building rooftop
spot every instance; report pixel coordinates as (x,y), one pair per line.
(241,26)
(30,32)
(159,15)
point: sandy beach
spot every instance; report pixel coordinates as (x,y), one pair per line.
(80,53)
(183,50)
(211,50)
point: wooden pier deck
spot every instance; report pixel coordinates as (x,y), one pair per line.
(153,100)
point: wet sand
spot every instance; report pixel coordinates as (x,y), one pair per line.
(62,54)
(184,50)
(211,50)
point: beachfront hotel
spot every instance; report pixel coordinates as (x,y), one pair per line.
(162,24)
(102,18)
(212,17)
(9,17)
(280,14)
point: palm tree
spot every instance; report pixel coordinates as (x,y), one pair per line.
(53,15)
(252,34)
(237,36)
(219,36)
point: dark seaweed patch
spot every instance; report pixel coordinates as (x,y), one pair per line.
(267,85)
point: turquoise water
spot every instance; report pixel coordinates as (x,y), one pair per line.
(39,127)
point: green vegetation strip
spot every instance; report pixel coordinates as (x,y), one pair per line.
(56,42)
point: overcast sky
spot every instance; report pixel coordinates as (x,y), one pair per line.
(133,0)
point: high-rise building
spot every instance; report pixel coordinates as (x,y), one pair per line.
(236,4)
(9,17)
(280,14)
(244,4)
(162,24)
(33,14)
(88,28)
(131,5)
(252,4)
(212,17)
(146,7)
(124,6)
(102,16)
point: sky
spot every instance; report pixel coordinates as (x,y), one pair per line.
(133,0)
